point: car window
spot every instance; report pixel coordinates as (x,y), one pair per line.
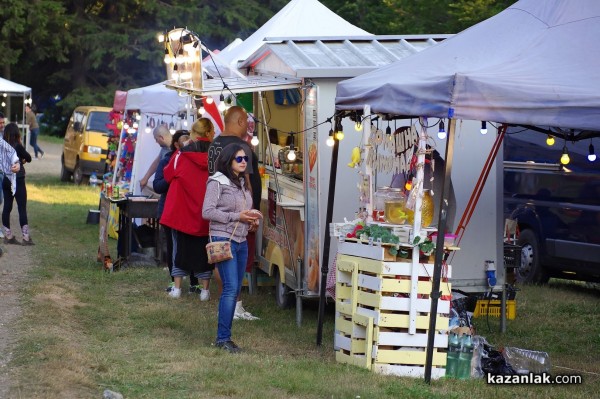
(97,121)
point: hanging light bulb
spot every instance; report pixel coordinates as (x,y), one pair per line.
(339,134)
(330,141)
(254,141)
(591,154)
(172,128)
(209,100)
(483,127)
(160,37)
(291,155)
(222,106)
(442,131)
(565,159)
(408,184)
(358,126)
(167,57)
(388,131)
(550,140)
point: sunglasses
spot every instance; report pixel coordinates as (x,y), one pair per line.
(240,159)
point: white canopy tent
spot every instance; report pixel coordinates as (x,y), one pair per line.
(299,18)
(12,89)
(534,64)
(155,103)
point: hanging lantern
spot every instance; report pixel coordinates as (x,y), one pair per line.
(183,58)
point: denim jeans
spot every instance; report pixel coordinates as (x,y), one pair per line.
(232,275)
(33,136)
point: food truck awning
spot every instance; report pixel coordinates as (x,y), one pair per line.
(335,57)
(247,84)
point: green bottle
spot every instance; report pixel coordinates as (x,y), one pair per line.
(453,353)
(464,358)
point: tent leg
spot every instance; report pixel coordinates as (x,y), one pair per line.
(437,270)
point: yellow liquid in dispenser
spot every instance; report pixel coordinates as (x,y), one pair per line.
(394,212)
(427,210)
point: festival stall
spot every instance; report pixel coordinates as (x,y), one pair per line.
(12,89)
(530,65)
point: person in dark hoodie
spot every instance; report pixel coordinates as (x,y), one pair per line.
(187,174)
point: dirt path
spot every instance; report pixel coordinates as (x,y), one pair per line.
(15,264)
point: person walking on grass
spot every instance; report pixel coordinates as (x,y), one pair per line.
(228,207)
(34,130)
(13,188)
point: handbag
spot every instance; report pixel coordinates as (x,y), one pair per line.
(220,251)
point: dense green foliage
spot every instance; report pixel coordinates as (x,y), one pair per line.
(79,52)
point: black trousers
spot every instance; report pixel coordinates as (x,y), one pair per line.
(20,196)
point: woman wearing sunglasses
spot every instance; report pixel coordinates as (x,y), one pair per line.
(227,205)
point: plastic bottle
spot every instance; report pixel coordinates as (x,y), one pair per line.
(93,180)
(525,361)
(453,353)
(464,358)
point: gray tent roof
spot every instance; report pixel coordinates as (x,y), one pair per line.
(535,63)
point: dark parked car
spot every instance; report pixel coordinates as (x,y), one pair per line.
(557,207)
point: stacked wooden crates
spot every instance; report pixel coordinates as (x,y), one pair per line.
(374,310)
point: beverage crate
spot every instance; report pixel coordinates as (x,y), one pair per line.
(512,256)
(485,306)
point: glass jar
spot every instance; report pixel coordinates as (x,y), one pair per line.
(379,203)
(394,206)
(427,209)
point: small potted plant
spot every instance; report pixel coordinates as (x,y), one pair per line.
(426,245)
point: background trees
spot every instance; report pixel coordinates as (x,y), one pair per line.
(75,52)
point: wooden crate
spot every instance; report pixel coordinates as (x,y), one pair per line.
(374,310)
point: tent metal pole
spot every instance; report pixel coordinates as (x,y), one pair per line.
(439,253)
(327,238)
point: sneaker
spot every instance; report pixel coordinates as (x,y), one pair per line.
(204,295)
(27,242)
(175,292)
(170,287)
(42,155)
(243,314)
(194,289)
(229,346)
(12,240)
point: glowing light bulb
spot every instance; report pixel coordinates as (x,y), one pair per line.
(330,141)
(339,135)
(209,100)
(550,140)
(201,111)
(254,141)
(408,185)
(442,131)
(147,129)
(222,106)
(565,159)
(592,154)
(291,155)
(483,127)
(358,126)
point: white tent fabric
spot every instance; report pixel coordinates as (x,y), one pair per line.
(6,86)
(299,18)
(535,63)
(155,103)
(155,99)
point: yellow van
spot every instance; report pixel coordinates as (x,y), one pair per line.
(86,144)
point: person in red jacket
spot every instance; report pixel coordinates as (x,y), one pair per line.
(187,173)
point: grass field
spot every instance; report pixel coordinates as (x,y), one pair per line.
(84,330)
